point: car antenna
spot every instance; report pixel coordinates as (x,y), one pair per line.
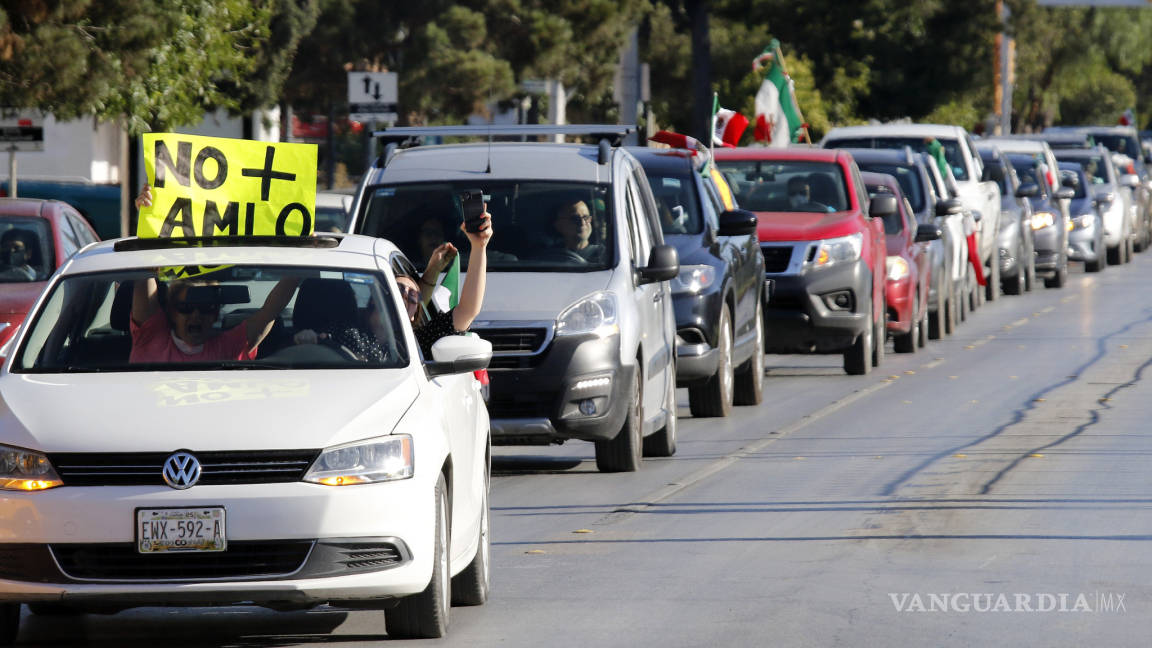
(488,165)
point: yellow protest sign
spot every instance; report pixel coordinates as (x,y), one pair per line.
(215,186)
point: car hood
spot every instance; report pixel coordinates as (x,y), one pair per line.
(691,249)
(535,295)
(804,226)
(17,298)
(162,412)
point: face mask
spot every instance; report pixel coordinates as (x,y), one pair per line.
(796,199)
(16,257)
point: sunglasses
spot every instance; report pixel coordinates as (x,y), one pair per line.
(577,218)
(185,308)
(410,295)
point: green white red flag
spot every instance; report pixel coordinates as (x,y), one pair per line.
(778,118)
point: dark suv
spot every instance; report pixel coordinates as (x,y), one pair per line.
(717,297)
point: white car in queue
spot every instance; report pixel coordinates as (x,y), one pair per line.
(309,474)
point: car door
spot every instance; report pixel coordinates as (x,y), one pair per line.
(651,300)
(741,254)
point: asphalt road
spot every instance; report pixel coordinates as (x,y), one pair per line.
(992,489)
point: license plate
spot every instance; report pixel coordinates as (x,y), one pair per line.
(180,529)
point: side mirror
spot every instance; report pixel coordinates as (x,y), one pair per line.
(1028,190)
(1104,197)
(454,354)
(663,264)
(737,222)
(928,233)
(949,207)
(882,205)
(1069,179)
(1065,193)
(1130,180)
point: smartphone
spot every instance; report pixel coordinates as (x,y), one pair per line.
(472,202)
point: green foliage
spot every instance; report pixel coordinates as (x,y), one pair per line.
(150,65)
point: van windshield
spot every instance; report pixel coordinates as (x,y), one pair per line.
(539,226)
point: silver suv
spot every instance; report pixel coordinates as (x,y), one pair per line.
(578,306)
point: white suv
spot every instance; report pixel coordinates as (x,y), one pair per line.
(313,473)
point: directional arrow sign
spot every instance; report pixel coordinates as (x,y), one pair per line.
(372,88)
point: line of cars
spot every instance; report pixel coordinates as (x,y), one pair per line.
(616,275)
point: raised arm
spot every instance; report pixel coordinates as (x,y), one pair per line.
(441,257)
(472,293)
(260,323)
(145,300)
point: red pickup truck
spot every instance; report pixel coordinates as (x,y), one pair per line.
(823,251)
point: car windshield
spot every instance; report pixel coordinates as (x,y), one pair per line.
(678,202)
(331,219)
(908,178)
(25,249)
(1126,144)
(85,324)
(786,185)
(952,151)
(995,172)
(539,226)
(1094,167)
(1030,167)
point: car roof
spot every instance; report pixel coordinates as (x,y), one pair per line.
(679,161)
(351,251)
(1098,150)
(871,177)
(1013,145)
(25,207)
(496,161)
(903,156)
(897,130)
(1111,130)
(766,153)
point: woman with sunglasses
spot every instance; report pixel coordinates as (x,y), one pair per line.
(431,327)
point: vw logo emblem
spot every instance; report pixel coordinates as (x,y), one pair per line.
(181,470)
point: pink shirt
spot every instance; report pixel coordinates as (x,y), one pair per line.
(152,342)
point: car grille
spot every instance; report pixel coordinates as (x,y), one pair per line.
(144,468)
(368,555)
(509,408)
(776,257)
(121,561)
(514,340)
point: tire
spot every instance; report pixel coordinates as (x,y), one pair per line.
(623,453)
(749,388)
(1059,279)
(879,338)
(713,397)
(470,587)
(9,623)
(1018,285)
(923,338)
(425,615)
(1116,254)
(1094,266)
(962,308)
(858,358)
(53,609)
(663,442)
(1129,251)
(992,288)
(1030,278)
(906,342)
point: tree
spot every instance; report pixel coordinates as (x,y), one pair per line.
(148,65)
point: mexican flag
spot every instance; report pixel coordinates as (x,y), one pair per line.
(727,126)
(778,118)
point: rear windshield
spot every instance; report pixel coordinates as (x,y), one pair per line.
(1094,167)
(908,177)
(1030,169)
(952,152)
(1126,144)
(995,172)
(537,226)
(786,185)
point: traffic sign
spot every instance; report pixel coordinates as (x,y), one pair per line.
(372,96)
(21,131)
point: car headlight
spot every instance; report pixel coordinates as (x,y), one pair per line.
(897,268)
(839,250)
(694,278)
(596,313)
(367,462)
(25,470)
(1042,219)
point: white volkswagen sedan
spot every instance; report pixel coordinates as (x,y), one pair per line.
(332,464)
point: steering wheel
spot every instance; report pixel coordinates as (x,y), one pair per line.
(344,352)
(562,254)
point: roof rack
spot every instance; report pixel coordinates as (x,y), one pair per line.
(613,132)
(137,244)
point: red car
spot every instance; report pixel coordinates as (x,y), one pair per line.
(823,252)
(36,237)
(909,265)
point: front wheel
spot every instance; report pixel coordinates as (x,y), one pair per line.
(425,615)
(470,587)
(623,453)
(992,288)
(750,377)
(713,397)
(906,342)
(858,358)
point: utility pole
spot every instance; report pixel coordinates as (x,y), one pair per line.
(1005,69)
(701,71)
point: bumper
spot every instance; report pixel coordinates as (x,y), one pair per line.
(1082,244)
(800,318)
(1050,247)
(287,543)
(697,357)
(900,305)
(540,402)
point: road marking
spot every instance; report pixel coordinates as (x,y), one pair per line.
(724,462)
(1048,309)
